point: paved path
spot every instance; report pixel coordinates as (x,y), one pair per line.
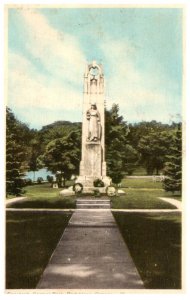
(174,202)
(144,210)
(40,209)
(14,200)
(91,254)
(162,210)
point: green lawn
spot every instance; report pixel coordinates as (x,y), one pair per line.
(148,183)
(39,190)
(142,193)
(44,196)
(31,237)
(140,171)
(10,197)
(141,183)
(137,199)
(154,241)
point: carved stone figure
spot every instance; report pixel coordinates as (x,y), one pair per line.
(93,86)
(94,126)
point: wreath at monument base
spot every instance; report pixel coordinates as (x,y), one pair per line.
(78,188)
(111,191)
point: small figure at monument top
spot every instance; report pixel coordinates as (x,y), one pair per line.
(93,165)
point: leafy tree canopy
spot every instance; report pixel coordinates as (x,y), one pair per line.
(57,146)
(57,130)
(18,136)
(118,150)
(63,154)
(153,148)
(173,164)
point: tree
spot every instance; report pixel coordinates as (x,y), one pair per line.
(56,130)
(173,165)
(62,155)
(34,164)
(17,137)
(118,151)
(131,159)
(153,148)
(141,129)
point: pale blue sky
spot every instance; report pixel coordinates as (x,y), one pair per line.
(140,49)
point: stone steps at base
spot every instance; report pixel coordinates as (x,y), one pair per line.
(93,202)
(93,206)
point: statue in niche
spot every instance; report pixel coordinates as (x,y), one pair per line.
(93,86)
(94,125)
(94,75)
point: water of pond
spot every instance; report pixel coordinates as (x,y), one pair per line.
(40,173)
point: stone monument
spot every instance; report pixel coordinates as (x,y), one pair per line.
(93,164)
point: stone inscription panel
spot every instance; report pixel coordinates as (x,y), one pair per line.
(93,159)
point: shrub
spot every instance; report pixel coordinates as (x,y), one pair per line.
(49,178)
(98,183)
(14,187)
(97,193)
(40,180)
(28,181)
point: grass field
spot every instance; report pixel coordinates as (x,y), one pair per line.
(141,183)
(39,190)
(137,199)
(31,238)
(154,241)
(148,183)
(44,196)
(142,193)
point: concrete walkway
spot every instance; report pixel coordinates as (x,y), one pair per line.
(162,210)
(174,202)
(91,254)
(14,200)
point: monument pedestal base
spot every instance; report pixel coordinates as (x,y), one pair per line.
(88,183)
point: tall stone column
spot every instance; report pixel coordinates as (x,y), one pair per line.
(93,164)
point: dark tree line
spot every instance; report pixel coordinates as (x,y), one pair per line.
(153,145)
(121,156)
(18,137)
(173,165)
